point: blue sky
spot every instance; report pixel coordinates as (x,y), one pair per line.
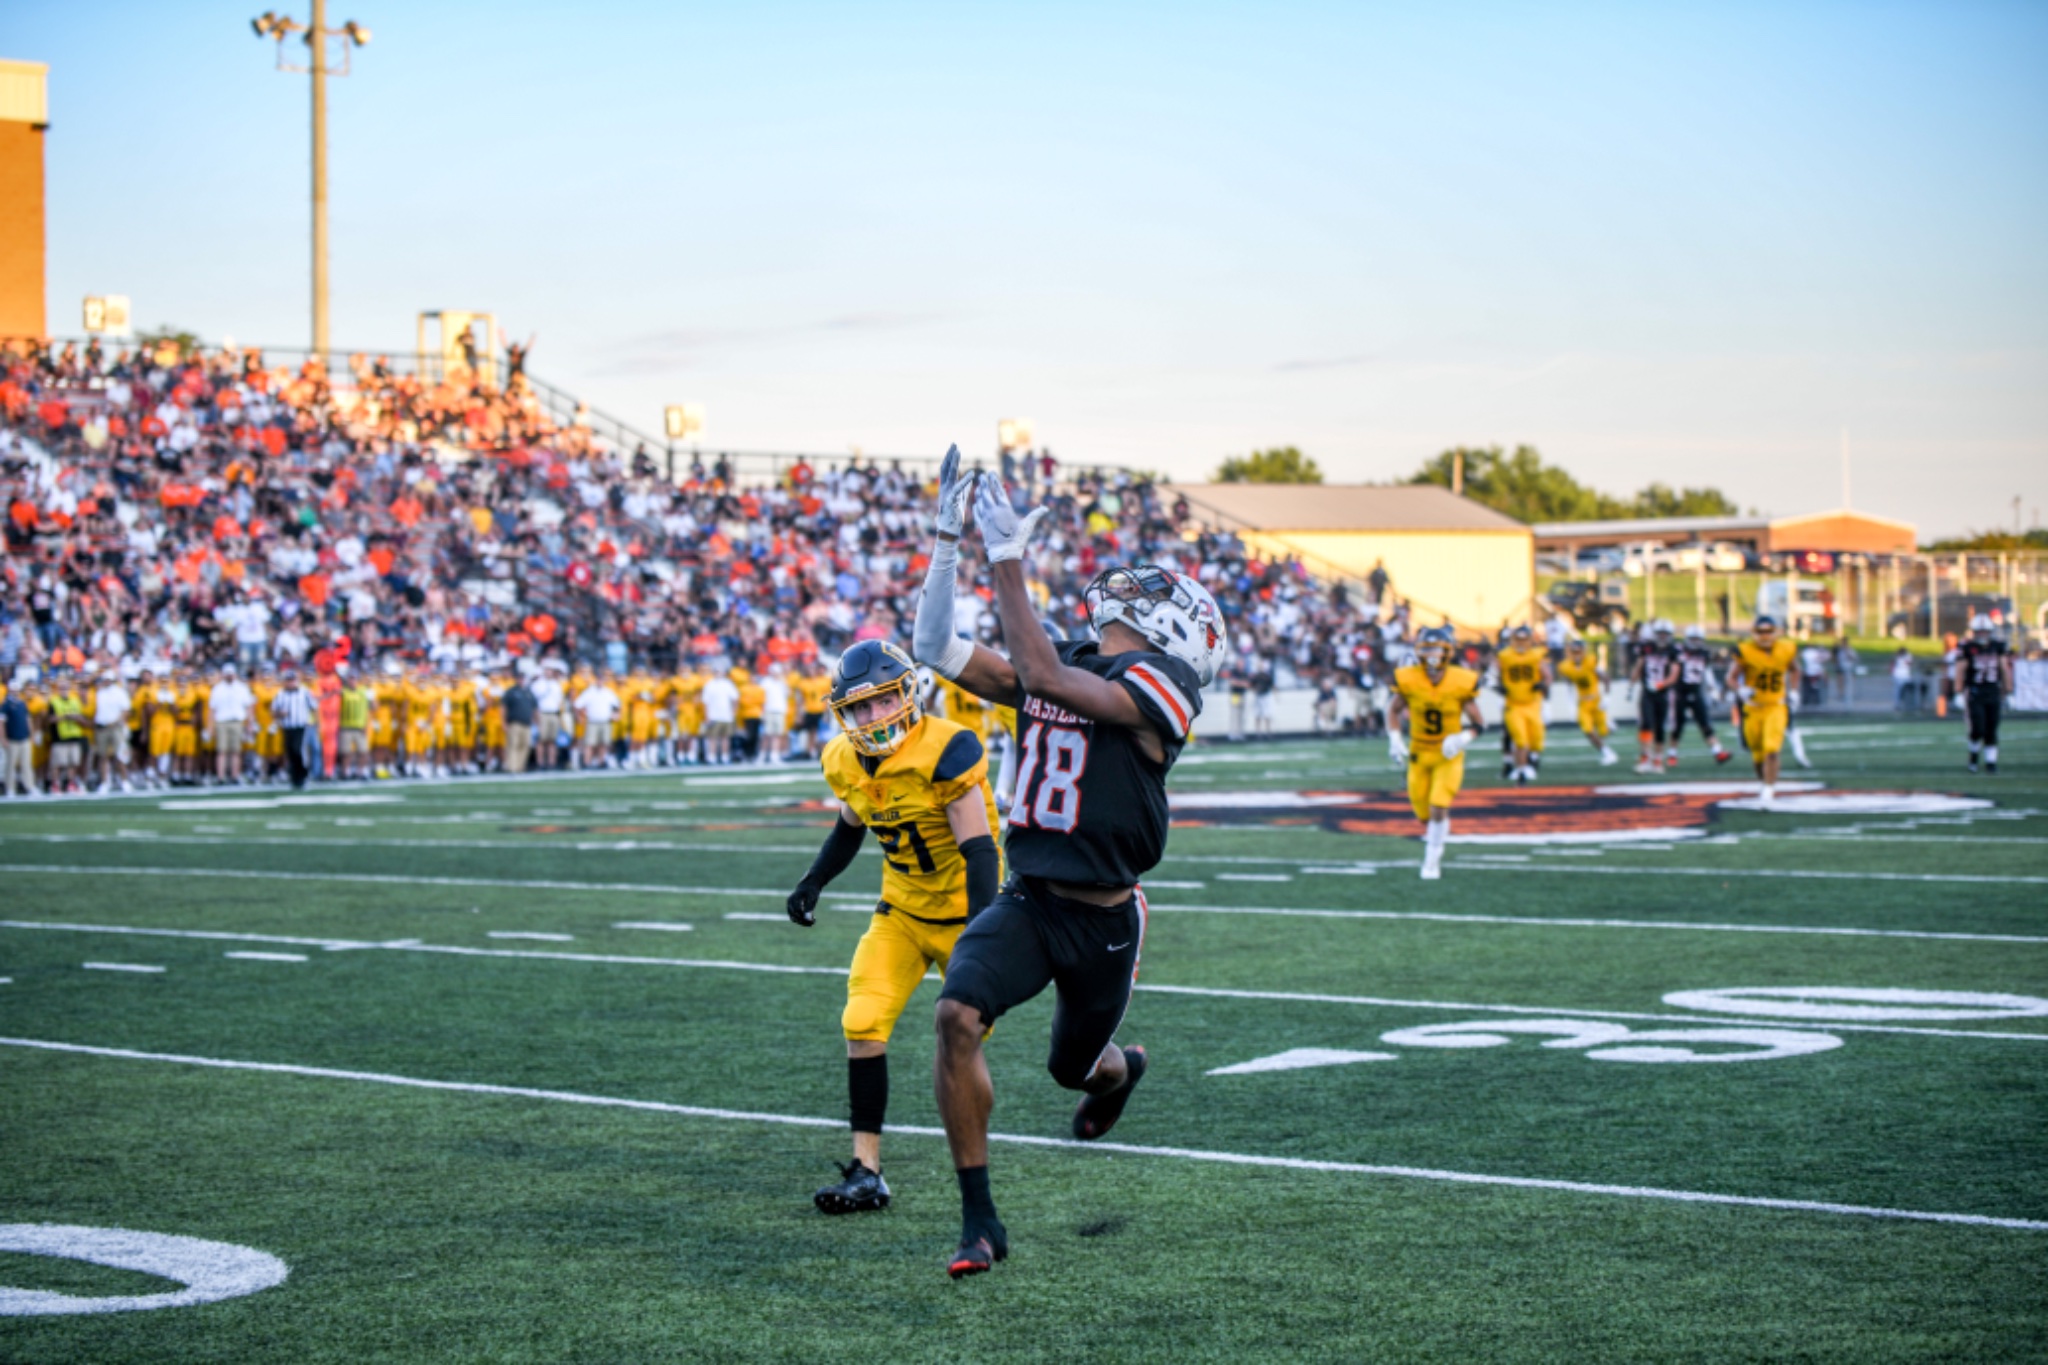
(1688,243)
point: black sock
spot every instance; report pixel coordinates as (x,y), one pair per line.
(976,1207)
(867,1090)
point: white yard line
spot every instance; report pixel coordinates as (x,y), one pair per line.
(266,957)
(661,924)
(520,933)
(863,899)
(118,967)
(413,945)
(1064,1144)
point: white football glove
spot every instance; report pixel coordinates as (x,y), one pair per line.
(953,490)
(1397,748)
(1744,693)
(1455,745)
(1003,536)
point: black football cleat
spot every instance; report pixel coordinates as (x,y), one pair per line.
(980,1248)
(858,1191)
(1973,765)
(1095,1115)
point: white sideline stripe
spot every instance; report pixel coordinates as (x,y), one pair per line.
(118,967)
(742,914)
(413,945)
(266,957)
(1263,910)
(1805,874)
(520,933)
(1067,1144)
(660,924)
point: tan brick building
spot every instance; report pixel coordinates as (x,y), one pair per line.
(24,114)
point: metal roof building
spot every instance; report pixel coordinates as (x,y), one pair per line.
(1451,558)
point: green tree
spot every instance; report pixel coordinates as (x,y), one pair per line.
(187,342)
(1523,487)
(1659,500)
(1990,542)
(1282,464)
(1519,485)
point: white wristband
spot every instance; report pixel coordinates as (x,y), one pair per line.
(953,662)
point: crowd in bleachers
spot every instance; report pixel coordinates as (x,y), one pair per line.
(174,508)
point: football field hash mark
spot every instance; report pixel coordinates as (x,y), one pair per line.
(1245,1159)
(266,957)
(118,967)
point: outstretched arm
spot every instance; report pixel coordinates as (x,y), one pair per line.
(933,642)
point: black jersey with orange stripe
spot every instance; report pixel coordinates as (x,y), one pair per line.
(1090,805)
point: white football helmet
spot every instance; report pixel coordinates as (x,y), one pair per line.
(1695,632)
(1174,613)
(1661,629)
(1980,624)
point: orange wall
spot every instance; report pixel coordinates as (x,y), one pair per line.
(21,231)
(1851,533)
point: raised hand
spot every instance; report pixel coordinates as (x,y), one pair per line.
(1003,536)
(953,490)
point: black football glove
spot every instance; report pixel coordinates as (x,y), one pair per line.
(802,904)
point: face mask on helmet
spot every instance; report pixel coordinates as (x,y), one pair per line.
(878,716)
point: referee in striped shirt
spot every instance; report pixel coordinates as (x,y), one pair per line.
(294,710)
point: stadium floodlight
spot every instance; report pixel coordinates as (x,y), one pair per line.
(320,43)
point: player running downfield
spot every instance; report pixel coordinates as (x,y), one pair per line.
(1523,675)
(1695,665)
(921,784)
(1983,676)
(1426,724)
(1100,725)
(1652,677)
(1757,678)
(1583,672)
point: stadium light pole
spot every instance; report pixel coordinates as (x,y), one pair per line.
(271,24)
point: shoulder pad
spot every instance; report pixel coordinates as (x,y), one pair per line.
(961,753)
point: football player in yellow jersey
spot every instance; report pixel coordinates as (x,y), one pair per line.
(423,702)
(1583,672)
(266,738)
(1757,678)
(1433,699)
(814,688)
(187,702)
(687,687)
(1523,673)
(921,784)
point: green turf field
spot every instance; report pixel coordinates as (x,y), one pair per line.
(487,1110)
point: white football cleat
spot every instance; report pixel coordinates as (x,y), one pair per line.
(1431,873)
(1608,758)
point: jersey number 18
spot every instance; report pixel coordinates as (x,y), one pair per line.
(1050,761)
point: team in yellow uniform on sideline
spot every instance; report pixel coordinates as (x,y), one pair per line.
(1583,672)
(1758,677)
(1433,699)
(1523,675)
(921,784)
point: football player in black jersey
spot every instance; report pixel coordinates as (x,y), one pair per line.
(1983,675)
(1098,727)
(1652,678)
(1695,680)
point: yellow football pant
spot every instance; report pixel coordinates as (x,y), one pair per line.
(893,956)
(1763,730)
(1433,780)
(1593,718)
(1525,725)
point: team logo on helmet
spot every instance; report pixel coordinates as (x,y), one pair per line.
(874,697)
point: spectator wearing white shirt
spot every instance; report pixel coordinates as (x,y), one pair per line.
(548,697)
(110,706)
(230,705)
(292,644)
(599,706)
(774,716)
(721,700)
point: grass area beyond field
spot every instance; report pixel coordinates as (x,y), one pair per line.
(450,1053)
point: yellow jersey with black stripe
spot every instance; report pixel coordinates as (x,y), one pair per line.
(1521,675)
(1436,708)
(1584,675)
(1764,671)
(902,797)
